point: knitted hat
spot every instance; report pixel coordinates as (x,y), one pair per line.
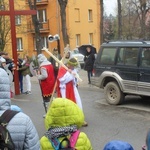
(118,145)
(2,60)
(41,58)
(72,62)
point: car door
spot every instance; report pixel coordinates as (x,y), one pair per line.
(144,72)
(105,60)
(127,67)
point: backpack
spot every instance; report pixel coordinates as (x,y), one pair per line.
(70,142)
(6,142)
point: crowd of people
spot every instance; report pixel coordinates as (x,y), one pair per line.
(64,115)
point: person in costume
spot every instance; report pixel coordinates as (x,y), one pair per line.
(67,83)
(47,79)
(63,118)
(68,57)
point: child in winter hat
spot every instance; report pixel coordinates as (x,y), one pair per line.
(118,145)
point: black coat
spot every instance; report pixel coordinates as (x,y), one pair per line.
(89,61)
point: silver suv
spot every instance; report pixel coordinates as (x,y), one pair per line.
(123,68)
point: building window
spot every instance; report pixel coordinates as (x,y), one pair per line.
(90,15)
(19,44)
(78,40)
(18,20)
(77,14)
(41,15)
(44,41)
(91,38)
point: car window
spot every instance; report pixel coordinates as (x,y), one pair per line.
(145,57)
(75,51)
(127,56)
(108,56)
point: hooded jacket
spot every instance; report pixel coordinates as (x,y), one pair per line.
(63,112)
(20,127)
(46,76)
(118,145)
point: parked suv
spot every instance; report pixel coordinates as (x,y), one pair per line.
(123,68)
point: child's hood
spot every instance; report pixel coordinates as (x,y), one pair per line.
(63,112)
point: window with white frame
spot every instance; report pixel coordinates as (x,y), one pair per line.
(78,40)
(90,15)
(91,38)
(44,42)
(18,20)
(19,44)
(41,15)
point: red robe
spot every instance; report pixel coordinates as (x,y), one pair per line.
(69,86)
(47,85)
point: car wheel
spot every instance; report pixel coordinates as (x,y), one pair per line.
(113,94)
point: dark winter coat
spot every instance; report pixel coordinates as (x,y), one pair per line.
(89,61)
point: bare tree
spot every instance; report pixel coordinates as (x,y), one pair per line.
(4,32)
(32,5)
(135,19)
(4,27)
(119,19)
(63,5)
(108,33)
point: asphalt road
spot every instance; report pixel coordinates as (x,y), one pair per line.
(129,121)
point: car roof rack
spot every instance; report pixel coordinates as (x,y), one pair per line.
(127,41)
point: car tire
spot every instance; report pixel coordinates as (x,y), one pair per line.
(113,94)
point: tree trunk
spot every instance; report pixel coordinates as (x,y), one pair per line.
(119,20)
(63,4)
(36,27)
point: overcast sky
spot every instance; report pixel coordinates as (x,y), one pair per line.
(110,6)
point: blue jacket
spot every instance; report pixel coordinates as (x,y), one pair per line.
(21,128)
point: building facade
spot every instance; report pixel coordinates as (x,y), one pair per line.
(83,25)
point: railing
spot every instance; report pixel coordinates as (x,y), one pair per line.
(44,27)
(39,2)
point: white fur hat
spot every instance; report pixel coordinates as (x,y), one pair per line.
(41,58)
(2,60)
